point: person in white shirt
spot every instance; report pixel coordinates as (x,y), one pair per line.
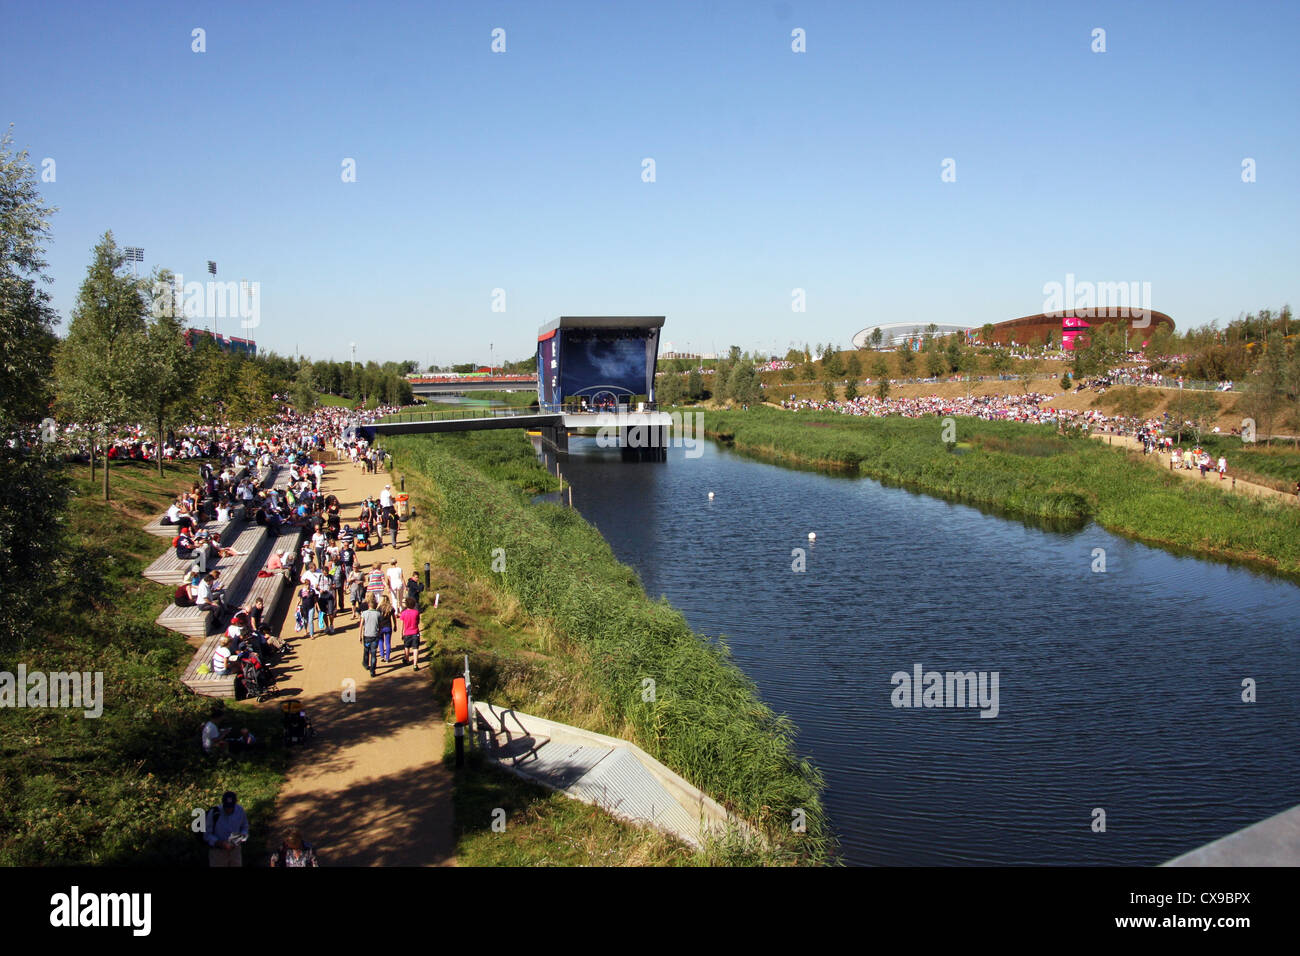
(173,513)
(386,496)
(396,582)
(221,657)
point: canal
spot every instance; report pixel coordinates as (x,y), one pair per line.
(1119,691)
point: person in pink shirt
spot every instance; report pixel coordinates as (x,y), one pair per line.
(411,631)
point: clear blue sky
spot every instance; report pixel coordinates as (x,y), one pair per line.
(775,170)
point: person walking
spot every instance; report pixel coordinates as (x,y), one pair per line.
(1223,467)
(356,591)
(226,832)
(387,620)
(294,852)
(370,620)
(396,582)
(411,633)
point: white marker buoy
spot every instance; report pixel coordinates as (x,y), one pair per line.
(812,535)
(710,496)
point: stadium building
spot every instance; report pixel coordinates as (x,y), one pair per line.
(1044,328)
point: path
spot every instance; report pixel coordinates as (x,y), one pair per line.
(1161,459)
(370,789)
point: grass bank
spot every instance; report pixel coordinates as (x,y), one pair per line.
(575,637)
(121,789)
(1028,471)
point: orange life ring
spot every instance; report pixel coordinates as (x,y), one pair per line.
(460,699)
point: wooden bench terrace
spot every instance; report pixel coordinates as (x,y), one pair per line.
(272,589)
(169,569)
(156,526)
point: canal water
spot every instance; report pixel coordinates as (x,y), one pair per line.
(1119,691)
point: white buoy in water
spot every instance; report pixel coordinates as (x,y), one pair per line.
(710,496)
(812,535)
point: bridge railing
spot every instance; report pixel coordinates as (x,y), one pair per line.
(459,414)
(584,408)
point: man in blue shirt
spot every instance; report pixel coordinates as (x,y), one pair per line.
(227,831)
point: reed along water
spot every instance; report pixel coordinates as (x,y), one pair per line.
(1118,690)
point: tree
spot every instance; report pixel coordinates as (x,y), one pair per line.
(33,491)
(850,390)
(97,369)
(1202,409)
(877,336)
(986,333)
(935,363)
(695,384)
(880,372)
(853,367)
(1001,361)
(303,395)
(1066,384)
(953,353)
(828,388)
(668,391)
(743,384)
(906,360)
(1266,388)
(167,361)
(250,402)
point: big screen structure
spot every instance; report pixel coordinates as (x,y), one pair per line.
(603,361)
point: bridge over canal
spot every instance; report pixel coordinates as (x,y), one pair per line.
(593,372)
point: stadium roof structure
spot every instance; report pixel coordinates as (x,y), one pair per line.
(602,322)
(896,333)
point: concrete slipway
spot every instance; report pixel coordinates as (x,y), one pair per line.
(613,774)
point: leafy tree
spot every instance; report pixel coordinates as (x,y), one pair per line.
(850,390)
(742,385)
(1266,388)
(97,369)
(250,402)
(303,395)
(167,362)
(33,491)
(668,391)
(953,354)
(877,336)
(1001,361)
(880,372)
(935,363)
(906,361)
(828,388)
(986,333)
(694,384)
(1202,409)
(853,367)
(1066,384)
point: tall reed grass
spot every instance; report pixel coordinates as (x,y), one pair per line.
(704,719)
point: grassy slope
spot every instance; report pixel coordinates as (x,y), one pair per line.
(120,789)
(574,646)
(1028,470)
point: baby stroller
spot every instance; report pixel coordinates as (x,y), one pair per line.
(255,677)
(297,725)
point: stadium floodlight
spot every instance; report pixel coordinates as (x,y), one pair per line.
(212,267)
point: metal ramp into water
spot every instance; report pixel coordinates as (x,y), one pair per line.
(606,772)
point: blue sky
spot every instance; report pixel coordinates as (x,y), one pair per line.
(774,170)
